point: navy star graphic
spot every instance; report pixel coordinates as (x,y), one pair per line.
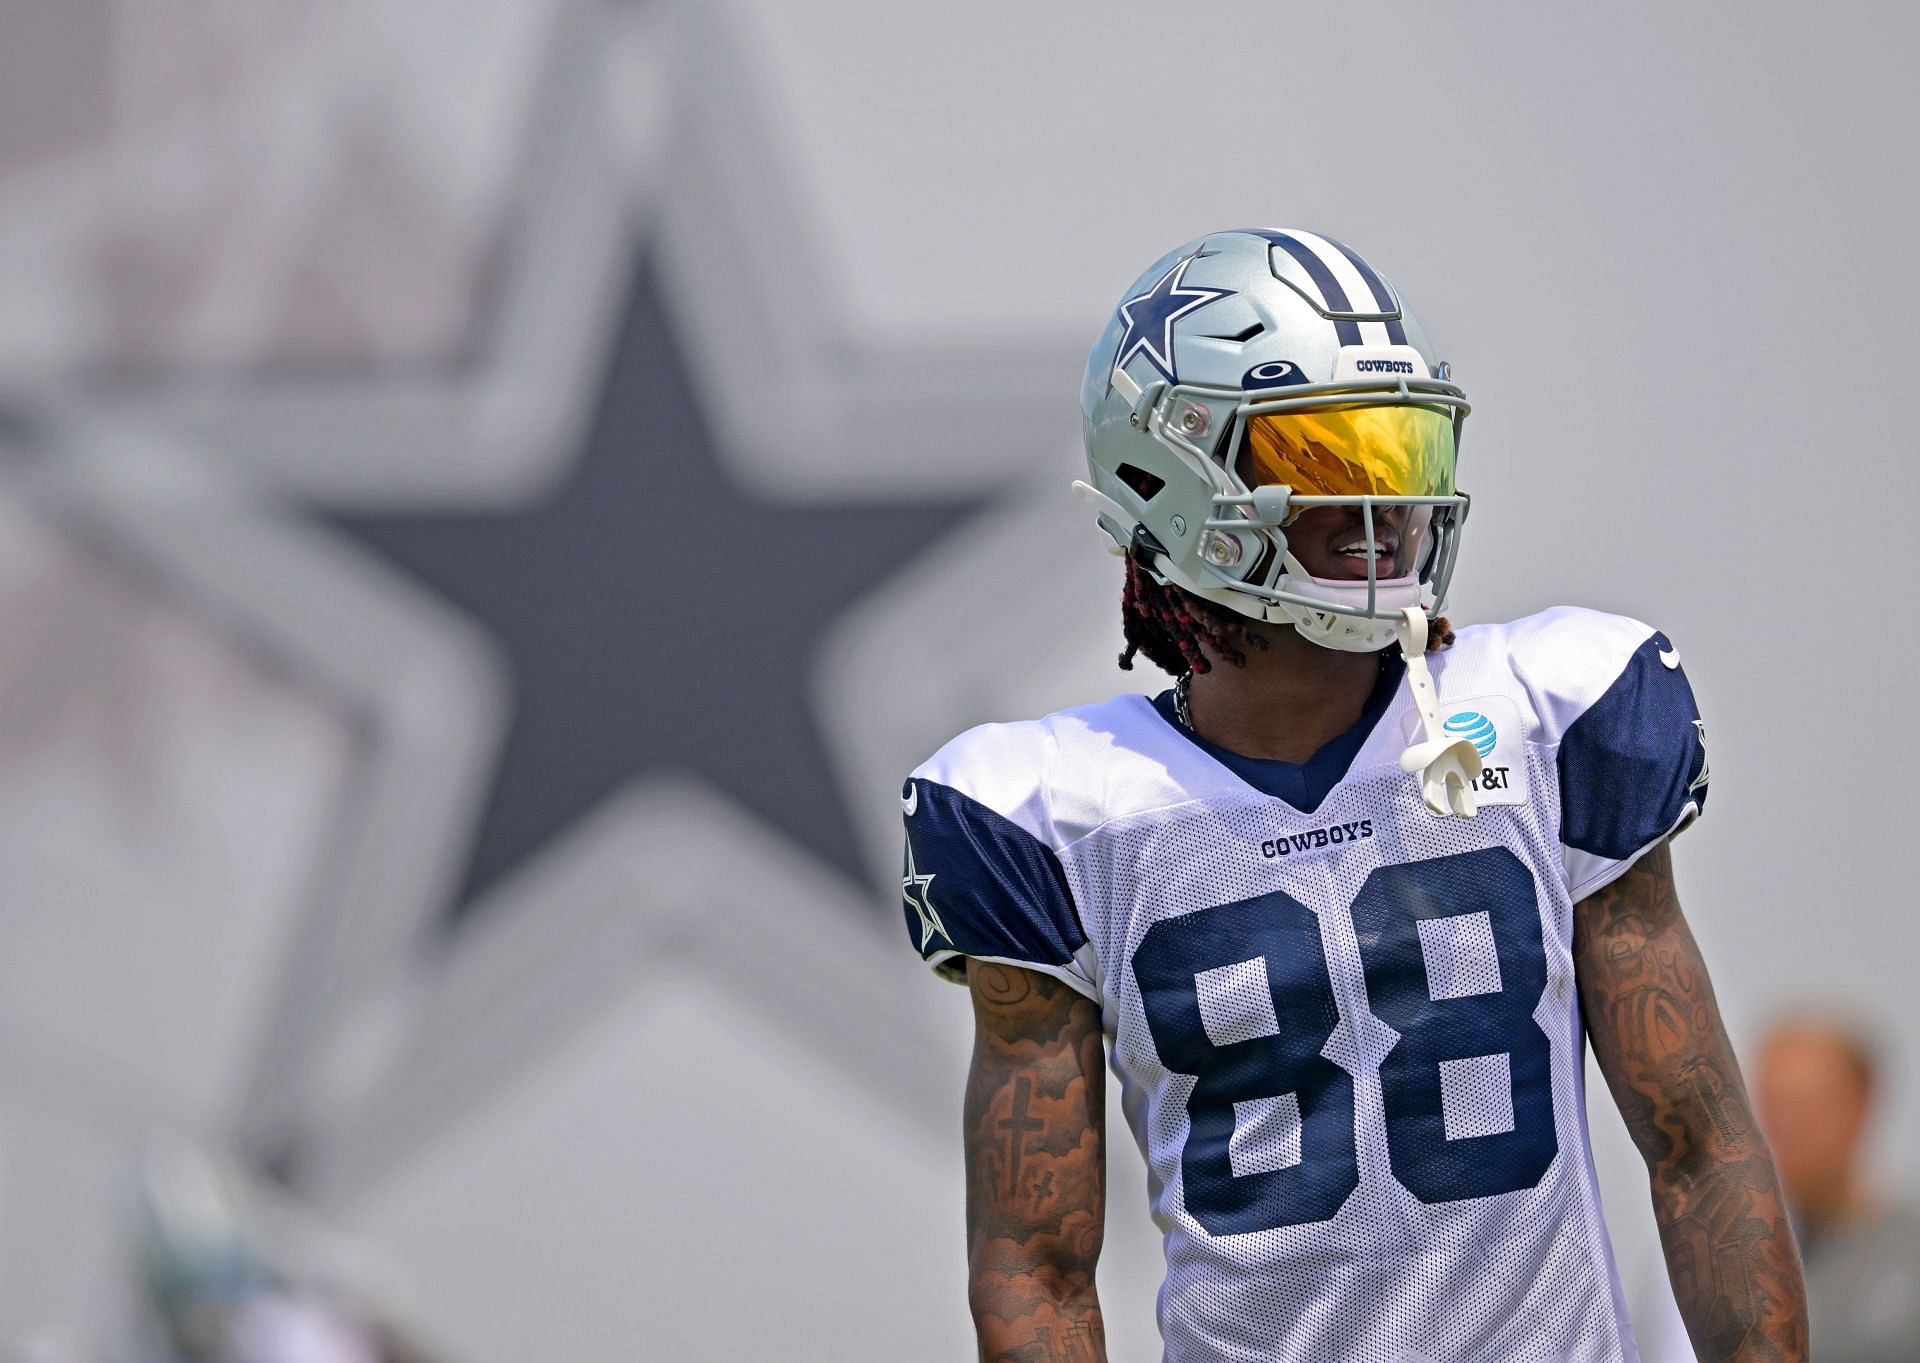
(655,615)
(913,888)
(1150,316)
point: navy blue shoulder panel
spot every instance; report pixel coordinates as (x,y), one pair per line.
(1633,762)
(979,884)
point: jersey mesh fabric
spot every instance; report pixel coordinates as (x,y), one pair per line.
(1349,1041)
(1520,1275)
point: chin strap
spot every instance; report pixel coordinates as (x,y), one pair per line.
(1447,765)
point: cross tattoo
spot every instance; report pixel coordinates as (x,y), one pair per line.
(1017,1127)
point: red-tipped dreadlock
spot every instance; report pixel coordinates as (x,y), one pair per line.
(1169,626)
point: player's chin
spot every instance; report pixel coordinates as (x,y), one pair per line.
(1348,567)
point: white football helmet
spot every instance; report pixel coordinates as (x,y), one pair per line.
(1249,376)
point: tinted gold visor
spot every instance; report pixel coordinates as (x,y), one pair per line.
(1386,450)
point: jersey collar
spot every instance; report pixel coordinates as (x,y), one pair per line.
(1303,785)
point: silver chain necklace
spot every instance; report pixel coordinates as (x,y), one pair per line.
(1183,706)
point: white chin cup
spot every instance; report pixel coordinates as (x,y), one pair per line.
(1350,633)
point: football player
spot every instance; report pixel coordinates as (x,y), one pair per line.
(1345,902)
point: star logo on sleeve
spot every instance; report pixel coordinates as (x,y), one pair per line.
(1150,317)
(913,888)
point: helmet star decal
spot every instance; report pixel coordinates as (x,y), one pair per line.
(1150,317)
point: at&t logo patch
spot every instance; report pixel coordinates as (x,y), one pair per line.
(1493,725)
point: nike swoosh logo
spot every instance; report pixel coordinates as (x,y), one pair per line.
(911,800)
(1670,658)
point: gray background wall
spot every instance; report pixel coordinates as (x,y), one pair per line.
(318,323)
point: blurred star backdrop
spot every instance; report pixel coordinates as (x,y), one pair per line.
(494,494)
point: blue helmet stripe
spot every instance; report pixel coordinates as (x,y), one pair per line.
(1322,277)
(1382,295)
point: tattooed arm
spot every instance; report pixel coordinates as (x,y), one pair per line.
(1036,1168)
(1657,1035)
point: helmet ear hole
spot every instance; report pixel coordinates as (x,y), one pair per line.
(1146,485)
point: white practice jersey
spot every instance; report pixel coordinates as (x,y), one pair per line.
(1346,1028)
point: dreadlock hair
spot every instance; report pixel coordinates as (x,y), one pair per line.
(1168,626)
